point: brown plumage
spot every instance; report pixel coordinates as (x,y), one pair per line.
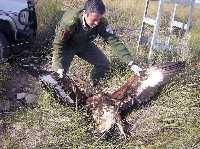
(108,109)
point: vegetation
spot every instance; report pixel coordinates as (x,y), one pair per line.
(171,120)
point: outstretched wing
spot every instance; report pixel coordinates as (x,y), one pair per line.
(138,89)
(156,76)
(64,88)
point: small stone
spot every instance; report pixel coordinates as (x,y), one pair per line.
(13,90)
(21,95)
(30,98)
(5,105)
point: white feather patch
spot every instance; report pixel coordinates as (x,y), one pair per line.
(155,76)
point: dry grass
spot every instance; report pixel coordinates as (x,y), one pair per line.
(169,121)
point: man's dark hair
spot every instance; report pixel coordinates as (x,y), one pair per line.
(96,6)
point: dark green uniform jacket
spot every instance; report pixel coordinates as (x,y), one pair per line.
(71,32)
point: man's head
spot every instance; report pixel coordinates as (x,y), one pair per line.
(93,12)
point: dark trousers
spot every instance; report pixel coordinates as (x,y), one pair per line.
(90,53)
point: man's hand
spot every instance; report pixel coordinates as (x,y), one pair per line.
(136,69)
(60,72)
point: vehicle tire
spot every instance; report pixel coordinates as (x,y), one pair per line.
(4,50)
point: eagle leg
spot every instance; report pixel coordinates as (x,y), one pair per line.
(123,127)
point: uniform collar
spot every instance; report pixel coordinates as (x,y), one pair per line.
(83,22)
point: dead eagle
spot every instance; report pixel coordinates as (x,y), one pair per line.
(109,109)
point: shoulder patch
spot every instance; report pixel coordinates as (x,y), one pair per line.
(65,33)
(69,18)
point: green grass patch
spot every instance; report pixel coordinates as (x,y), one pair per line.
(169,121)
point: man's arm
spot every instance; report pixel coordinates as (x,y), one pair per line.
(107,33)
(62,34)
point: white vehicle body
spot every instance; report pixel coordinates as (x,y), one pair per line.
(18,23)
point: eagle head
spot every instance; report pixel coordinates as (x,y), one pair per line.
(103,110)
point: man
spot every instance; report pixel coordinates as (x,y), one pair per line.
(74,36)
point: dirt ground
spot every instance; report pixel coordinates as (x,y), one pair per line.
(17,88)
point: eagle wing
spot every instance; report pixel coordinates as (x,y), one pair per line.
(138,89)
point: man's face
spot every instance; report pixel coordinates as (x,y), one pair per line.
(92,19)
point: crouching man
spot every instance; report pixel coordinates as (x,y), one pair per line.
(74,36)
